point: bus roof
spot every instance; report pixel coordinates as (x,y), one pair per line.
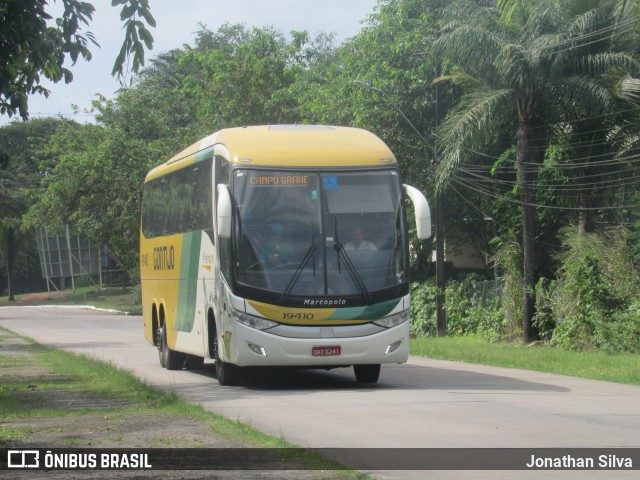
(289,146)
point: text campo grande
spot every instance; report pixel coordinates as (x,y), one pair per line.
(569,461)
(96,460)
(280,180)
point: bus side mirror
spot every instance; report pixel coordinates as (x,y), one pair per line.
(423,215)
(224,211)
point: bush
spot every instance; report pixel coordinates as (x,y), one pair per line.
(623,332)
(544,319)
(508,259)
(596,303)
(423,309)
(593,304)
(473,307)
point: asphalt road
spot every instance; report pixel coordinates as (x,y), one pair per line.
(423,404)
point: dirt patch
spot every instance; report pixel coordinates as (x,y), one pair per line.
(83,419)
(55,414)
(115,430)
(38,298)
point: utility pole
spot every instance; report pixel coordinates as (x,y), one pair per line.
(440,265)
(441,314)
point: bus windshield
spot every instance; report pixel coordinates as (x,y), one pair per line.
(307,234)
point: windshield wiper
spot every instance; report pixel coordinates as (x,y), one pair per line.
(303,263)
(351,269)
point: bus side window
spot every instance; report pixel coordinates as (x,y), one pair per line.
(201,218)
(164,206)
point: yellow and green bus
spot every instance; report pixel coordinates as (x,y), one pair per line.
(282,245)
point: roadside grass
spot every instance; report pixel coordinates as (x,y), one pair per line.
(96,379)
(123,299)
(620,368)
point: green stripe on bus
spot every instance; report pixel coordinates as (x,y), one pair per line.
(188,282)
(203,155)
(378,310)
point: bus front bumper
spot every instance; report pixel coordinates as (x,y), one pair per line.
(251,347)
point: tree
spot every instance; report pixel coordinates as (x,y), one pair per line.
(241,76)
(19,174)
(524,67)
(96,186)
(34,47)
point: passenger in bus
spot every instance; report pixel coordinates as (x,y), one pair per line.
(358,242)
(277,251)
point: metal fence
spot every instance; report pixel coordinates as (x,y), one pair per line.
(66,257)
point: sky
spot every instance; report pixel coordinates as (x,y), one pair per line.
(176,23)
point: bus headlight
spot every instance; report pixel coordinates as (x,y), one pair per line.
(258,323)
(393,320)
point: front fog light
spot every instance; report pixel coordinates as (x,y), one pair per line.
(393,347)
(257,349)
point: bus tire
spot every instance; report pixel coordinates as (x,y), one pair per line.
(170,359)
(193,362)
(367,373)
(227,373)
(160,343)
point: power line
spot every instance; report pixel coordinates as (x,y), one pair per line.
(483,191)
(506,227)
(574,42)
(566,165)
(63,114)
(573,186)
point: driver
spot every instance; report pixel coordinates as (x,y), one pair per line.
(358,242)
(277,251)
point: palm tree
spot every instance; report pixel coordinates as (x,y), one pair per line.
(525,65)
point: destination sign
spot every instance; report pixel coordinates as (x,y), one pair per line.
(268,180)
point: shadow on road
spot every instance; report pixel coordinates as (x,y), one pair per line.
(394,377)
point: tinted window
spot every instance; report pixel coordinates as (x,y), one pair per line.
(179,202)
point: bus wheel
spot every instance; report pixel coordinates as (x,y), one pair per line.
(367,373)
(227,373)
(168,358)
(193,362)
(160,343)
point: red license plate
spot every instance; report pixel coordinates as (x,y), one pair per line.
(327,351)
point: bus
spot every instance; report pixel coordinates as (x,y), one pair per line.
(277,246)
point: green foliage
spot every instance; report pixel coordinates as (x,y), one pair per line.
(525,67)
(242,76)
(423,309)
(593,305)
(472,308)
(19,175)
(634,242)
(508,258)
(620,367)
(544,318)
(136,34)
(96,187)
(33,47)
(596,301)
